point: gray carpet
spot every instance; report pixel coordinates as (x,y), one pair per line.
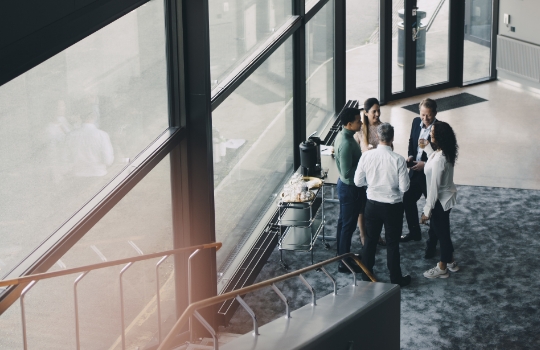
(491,303)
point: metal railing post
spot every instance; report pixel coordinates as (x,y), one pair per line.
(23,316)
(190,273)
(278,292)
(350,269)
(251,313)
(331,278)
(158,297)
(122,305)
(76,299)
(208,328)
(313,295)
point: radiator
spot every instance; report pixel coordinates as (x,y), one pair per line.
(519,58)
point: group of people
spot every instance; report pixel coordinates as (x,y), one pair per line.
(377,186)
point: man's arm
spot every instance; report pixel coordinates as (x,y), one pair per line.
(360,174)
(413,142)
(403,176)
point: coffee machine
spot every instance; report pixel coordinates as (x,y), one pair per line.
(310,156)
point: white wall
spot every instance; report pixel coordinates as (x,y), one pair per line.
(524,16)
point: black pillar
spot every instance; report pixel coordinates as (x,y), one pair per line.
(299,81)
(340,62)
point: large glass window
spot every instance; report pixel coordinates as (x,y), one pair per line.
(140,223)
(238,28)
(362,49)
(477,44)
(75,121)
(253,149)
(320,69)
(432,43)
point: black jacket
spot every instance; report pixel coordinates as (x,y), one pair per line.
(413,143)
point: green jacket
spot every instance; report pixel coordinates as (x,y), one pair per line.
(348,153)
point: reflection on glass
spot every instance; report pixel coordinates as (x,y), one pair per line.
(398,46)
(72,123)
(253,150)
(477,45)
(310,4)
(362,49)
(432,42)
(320,69)
(140,222)
(238,28)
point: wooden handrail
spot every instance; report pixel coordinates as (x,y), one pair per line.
(47,275)
(169,340)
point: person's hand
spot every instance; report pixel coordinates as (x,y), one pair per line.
(424,219)
(410,158)
(419,166)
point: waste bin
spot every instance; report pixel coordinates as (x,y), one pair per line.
(420,40)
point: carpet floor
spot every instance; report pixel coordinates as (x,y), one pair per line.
(490,303)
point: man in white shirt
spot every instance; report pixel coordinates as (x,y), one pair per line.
(385,174)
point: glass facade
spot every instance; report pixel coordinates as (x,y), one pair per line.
(238,28)
(253,149)
(71,124)
(362,39)
(320,69)
(477,43)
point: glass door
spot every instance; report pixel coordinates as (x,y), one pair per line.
(420,34)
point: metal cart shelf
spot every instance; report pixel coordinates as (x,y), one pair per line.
(302,223)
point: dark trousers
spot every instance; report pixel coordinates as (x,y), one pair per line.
(416,189)
(350,204)
(391,216)
(440,230)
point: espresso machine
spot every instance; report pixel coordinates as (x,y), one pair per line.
(310,156)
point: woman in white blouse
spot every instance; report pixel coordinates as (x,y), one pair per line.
(441,195)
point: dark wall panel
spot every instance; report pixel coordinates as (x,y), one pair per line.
(32,31)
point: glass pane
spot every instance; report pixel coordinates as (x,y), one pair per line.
(362,49)
(320,69)
(253,149)
(141,220)
(477,44)
(432,42)
(310,4)
(72,123)
(238,28)
(398,45)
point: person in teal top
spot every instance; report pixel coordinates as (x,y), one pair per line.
(352,199)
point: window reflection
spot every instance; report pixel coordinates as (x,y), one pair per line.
(253,150)
(72,123)
(238,27)
(320,69)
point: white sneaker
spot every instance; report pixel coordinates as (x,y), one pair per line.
(453,266)
(436,272)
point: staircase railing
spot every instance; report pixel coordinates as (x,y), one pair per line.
(191,310)
(31,281)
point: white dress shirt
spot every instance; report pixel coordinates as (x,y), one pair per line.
(385,174)
(91,151)
(439,181)
(424,133)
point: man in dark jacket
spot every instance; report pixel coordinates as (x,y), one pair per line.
(420,129)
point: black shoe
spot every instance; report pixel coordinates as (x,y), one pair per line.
(405,281)
(429,253)
(345,269)
(409,237)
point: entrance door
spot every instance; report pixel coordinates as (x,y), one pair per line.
(425,38)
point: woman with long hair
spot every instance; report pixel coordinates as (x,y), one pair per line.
(367,139)
(441,195)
